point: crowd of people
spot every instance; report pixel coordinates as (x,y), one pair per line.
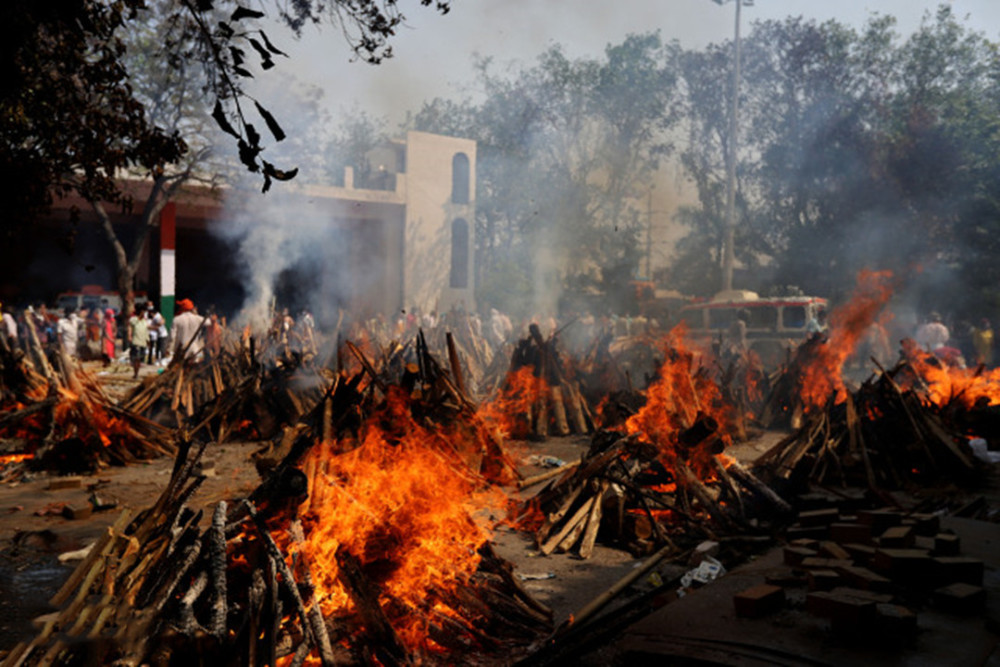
(98,334)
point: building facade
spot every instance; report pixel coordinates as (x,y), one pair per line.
(397,235)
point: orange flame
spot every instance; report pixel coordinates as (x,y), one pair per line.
(509,411)
(404,506)
(680,396)
(849,324)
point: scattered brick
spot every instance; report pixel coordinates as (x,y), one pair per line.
(856,533)
(904,565)
(895,621)
(861,553)
(822,517)
(927,525)
(863,578)
(795,555)
(952,569)
(77,511)
(947,544)
(880,520)
(834,550)
(57,483)
(960,598)
(846,611)
(814,533)
(823,580)
(759,601)
(816,563)
(897,537)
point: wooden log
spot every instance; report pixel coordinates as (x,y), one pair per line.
(456,368)
(754,484)
(383,638)
(593,523)
(552,542)
(558,410)
(541,477)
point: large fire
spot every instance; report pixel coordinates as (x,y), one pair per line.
(410,510)
(681,397)
(511,411)
(821,378)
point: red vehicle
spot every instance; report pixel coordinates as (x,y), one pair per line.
(775,325)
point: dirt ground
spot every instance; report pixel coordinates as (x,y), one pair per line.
(34,533)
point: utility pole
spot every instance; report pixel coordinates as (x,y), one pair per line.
(649,235)
(729,237)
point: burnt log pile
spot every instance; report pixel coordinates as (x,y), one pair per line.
(56,416)
(283,576)
(887,434)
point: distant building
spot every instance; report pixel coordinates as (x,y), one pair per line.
(398,234)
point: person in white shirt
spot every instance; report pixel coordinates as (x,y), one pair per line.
(188,328)
(932,334)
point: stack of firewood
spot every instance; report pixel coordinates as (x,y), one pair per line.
(626,492)
(244,590)
(60,415)
(885,435)
(244,391)
(539,388)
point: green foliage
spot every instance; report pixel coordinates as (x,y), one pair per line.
(857,149)
(566,151)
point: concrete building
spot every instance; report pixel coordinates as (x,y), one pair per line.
(397,234)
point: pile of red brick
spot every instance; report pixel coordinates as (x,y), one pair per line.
(869,572)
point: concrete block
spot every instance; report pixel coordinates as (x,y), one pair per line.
(759,601)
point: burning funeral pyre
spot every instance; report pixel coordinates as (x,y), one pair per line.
(657,477)
(369,545)
(56,416)
(368,540)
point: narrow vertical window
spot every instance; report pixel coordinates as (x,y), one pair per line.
(460,179)
(459,254)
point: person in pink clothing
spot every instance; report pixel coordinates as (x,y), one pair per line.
(108,339)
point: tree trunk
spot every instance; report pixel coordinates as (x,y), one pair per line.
(127,264)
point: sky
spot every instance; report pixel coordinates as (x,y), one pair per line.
(434,53)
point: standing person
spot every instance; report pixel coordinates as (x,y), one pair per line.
(817,327)
(138,335)
(68,331)
(160,322)
(213,335)
(932,334)
(188,332)
(982,341)
(108,340)
(154,333)
(9,326)
(734,342)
